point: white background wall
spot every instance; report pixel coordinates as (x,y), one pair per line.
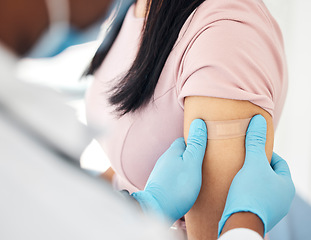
(293,135)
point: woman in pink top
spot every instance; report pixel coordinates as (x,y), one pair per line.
(177,61)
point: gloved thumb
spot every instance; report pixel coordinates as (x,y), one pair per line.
(177,147)
(196,142)
(255,140)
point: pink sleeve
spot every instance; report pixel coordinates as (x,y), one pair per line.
(234,60)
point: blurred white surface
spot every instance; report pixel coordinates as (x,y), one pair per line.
(62,72)
(43,196)
(94,158)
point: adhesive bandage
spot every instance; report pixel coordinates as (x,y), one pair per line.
(227,129)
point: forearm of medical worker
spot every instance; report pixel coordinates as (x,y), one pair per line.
(246,220)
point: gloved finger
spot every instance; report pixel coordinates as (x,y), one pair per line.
(279,165)
(177,147)
(196,142)
(255,141)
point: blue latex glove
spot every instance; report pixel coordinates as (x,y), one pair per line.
(175,182)
(263,189)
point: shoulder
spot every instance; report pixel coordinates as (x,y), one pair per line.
(253,14)
(238,10)
(233,50)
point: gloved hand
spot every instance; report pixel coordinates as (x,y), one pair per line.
(175,182)
(263,189)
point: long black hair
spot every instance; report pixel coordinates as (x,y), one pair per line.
(163,22)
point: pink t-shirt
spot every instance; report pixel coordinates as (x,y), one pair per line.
(226,49)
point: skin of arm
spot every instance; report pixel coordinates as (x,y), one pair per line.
(222,160)
(108,174)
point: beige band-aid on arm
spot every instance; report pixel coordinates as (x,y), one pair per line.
(227,129)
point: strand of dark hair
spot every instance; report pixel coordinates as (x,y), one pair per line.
(161,29)
(111,34)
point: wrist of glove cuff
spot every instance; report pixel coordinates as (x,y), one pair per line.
(149,204)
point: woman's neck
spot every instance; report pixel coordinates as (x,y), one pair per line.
(140,9)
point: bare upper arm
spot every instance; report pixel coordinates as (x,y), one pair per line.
(223,159)
(219,109)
